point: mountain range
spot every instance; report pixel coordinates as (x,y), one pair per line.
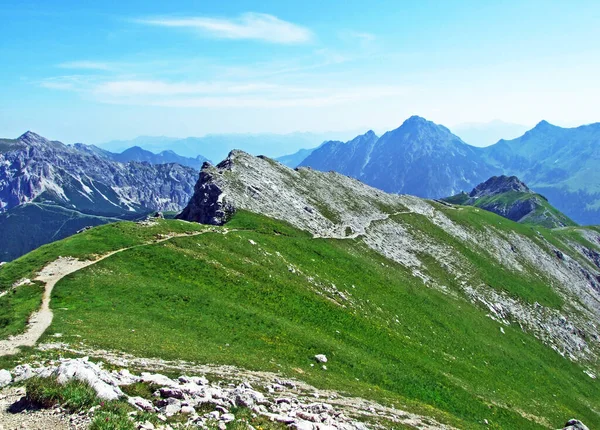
(49,190)
(216,146)
(426,159)
(311,300)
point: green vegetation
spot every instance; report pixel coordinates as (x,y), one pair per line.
(544,214)
(528,286)
(16,306)
(245,417)
(219,298)
(113,415)
(262,295)
(74,395)
(26,227)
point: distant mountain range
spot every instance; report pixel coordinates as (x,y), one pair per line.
(49,190)
(135,153)
(419,158)
(427,160)
(488,133)
(216,146)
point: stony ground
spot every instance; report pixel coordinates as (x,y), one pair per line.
(203,395)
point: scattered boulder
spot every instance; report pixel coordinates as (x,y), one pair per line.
(106,387)
(321,358)
(141,403)
(5,378)
(574,424)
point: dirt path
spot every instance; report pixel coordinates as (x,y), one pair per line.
(40,320)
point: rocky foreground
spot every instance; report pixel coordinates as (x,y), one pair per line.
(194,400)
(199,402)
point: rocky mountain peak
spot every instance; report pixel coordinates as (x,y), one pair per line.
(31,138)
(500,184)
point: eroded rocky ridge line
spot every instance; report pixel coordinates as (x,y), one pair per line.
(336,206)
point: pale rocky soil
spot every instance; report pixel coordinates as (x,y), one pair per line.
(289,401)
(13,418)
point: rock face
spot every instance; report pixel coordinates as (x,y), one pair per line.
(419,158)
(507,196)
(498,185)
(335,206)
(49,191)
(36,169)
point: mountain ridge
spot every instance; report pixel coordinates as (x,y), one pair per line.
(511,198)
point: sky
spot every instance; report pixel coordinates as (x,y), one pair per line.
(97,71)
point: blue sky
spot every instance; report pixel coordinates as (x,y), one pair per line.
(116,70)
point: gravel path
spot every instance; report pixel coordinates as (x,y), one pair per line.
(39,321)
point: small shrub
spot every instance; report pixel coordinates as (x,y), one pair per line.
(73,396)
(140,389)
(111,421)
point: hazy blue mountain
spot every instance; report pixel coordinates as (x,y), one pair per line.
(216,146)
(486,134)
(138,154)
(560,163)
(135,153)
(419,158)
(348,158)
(294,160)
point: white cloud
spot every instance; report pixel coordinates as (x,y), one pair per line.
(128,88)
(253,26)
(85,65)
(234,95)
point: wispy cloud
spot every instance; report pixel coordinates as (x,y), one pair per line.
(207,94)
(252,26)
(85,65)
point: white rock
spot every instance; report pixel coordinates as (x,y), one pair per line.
(5,378)
(303,425)
(227,418)
(141,404)
(321,358)
(187,410)
(82,370)
(158,379)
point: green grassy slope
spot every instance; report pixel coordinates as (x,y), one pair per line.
(274,304)
(544,214)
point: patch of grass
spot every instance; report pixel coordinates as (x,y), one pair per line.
(19,304)
(244,417)
(327,212)
(140,389)
(111,421)
(73,396)
(16,307)
(219,299)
